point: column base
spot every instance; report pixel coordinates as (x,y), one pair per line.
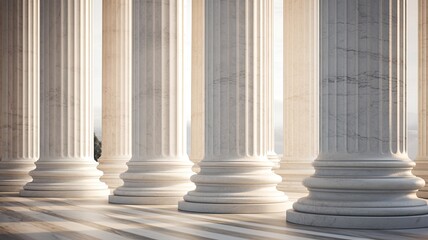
(11,186)
(373,192)
(112,167)
(235,186)
(14,174)
(421,170)
(154,182)
(196,169)
(65,178)
(112,183)
(144,200)
(65,194)
(423,193)
(275,158)
(232,208)
(292,187)
(293,173)
(357,222)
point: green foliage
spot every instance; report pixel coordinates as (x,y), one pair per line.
(97,148)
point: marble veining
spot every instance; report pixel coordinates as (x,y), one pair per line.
(362,175)
(362,77)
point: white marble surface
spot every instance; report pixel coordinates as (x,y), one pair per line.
(159,170)
(421,168)
(19,92)
(301,79)
(236,175)
(66,167)
(117,87)
(363,175)
(52,218)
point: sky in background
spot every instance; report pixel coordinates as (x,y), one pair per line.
(412,68)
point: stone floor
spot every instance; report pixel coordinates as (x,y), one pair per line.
(27,218)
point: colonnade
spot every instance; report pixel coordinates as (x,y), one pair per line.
(344,104)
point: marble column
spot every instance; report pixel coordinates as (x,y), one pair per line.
(236,175)
(117,106)
(66,167)
(421,169)
(198,75)
(159,170)
(267,62)
(362,175)
(19,92)
(300,93)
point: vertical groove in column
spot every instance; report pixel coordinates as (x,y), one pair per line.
(66,167)
(300,93)
(421,168)
(159,170)
(19,91)
(236,175)
(117,95)
(362,175)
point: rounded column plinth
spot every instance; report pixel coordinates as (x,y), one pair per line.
(421,170)
(372,193)
(196,168)
(112,167)
(154,182)
(422,193)
(14,174)
(65,179)
(235,186)
(11,186)
(293,173)
(358,222)
(275,158)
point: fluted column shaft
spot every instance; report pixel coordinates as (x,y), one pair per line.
(117,106)
(235,175)
(19,91)
(66,167)
(159,170)
(198,74)
(362,175)
(421,168)
(267,62)
(300,93)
